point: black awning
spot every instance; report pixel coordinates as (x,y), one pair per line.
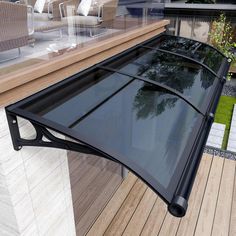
(149,108)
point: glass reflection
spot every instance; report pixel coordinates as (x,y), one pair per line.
(143,127)
(32,32)
(147,104)
(178,73)
(69,103)
(193,49)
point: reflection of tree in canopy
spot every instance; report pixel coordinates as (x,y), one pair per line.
(174,72)
(195,50)
(206,79)
(182,46)
(169,71)
(213,59)
(150,101)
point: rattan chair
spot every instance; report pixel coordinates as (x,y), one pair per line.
(100,15)
(13,27)
(49,20)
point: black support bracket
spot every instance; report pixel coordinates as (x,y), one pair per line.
(43,134)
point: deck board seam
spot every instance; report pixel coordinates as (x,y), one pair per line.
(218,193)
(114,196)
(232,199)
(176,233)
(212,157)
(135,210)
(94,178)
(108,200)
(120,206)
(162,223)
(148,216)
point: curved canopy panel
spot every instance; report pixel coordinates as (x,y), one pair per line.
(150,110)
(198,51)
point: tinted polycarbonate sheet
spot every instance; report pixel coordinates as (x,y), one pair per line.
(145,128)
(142,108)
(193,49)
(78,97)
(185,76)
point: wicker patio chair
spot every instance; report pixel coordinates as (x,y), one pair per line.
(49,20)
(13,27)
(100,15)
(50,11)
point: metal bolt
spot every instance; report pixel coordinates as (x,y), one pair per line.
(224,79)
(14,121)
(19,147)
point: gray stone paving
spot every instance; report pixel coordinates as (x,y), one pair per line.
(232,133)
(216,135)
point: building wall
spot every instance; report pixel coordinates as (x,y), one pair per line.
(35,192)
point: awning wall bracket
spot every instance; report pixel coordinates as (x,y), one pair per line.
(41,133)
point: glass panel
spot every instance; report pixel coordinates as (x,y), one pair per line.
(190,48)
(178,73)
(145,128)
(35,32)
(69,103)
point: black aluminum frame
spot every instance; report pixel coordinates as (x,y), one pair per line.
(177,205)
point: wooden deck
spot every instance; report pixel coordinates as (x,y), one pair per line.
(136,210)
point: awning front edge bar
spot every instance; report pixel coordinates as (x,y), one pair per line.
(179,203)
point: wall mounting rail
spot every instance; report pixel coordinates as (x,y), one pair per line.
(146,108)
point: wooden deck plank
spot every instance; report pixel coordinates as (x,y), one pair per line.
(88,217)
(223,208)
(206,217)
(83,168)
(188,222)
(127,209)
(141,214)
(112,207)
(232,225)
(169,226)
(97,185)
(90,174)
(209,212)
(155,219)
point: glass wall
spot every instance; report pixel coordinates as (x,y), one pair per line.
(36,31)
(196,24)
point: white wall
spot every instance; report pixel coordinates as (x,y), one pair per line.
(35,192)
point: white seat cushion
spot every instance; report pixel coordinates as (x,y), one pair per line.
(83,20)
(84,6)
(39,5)
(41,17)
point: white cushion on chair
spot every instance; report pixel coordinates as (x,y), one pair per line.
(89,21)
(84,7)
(39,5)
